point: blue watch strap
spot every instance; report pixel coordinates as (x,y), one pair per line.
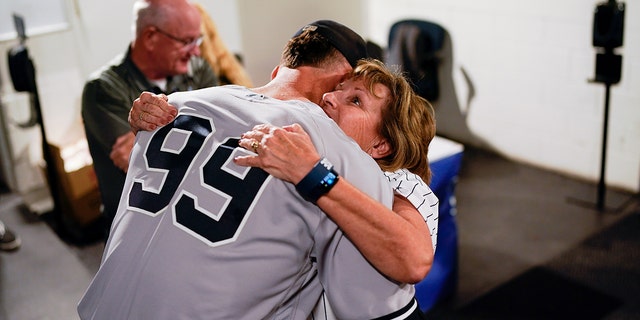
(318,181)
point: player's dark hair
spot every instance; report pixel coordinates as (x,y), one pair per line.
(308,49)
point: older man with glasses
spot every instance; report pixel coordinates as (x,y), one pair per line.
(188,44)
(163,57)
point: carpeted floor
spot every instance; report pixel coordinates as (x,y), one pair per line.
(609,263)
(598,279)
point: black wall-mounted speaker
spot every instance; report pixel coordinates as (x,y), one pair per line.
(608,68)
(608,24)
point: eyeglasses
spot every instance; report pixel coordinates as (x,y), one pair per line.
(188,44)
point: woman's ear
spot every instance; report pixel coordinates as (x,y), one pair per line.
(381,149)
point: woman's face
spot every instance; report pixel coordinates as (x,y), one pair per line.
(356,111)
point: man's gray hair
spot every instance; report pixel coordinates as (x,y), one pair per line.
(149,13)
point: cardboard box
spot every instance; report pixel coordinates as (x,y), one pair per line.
(78,186)
(75,168)
(84,209)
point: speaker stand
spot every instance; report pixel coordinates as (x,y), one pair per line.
(601,184)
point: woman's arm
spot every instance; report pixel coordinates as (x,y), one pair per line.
(396,242)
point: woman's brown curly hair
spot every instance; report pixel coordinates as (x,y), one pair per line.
(408,122)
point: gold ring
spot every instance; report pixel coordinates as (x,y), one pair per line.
(254,146)
(140,116)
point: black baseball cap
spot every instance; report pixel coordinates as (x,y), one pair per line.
(347,41)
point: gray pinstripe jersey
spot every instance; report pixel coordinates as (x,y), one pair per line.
(197,237)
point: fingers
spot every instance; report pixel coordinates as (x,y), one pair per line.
(148,121)
(246,161)
(293,128)
(265,128)
(250,144)
(266,137)
(263,132)
(150,111)
(152,98)
(142,122)
(258,133)
(298,130)
(252,135)
(159,107)
(255,145)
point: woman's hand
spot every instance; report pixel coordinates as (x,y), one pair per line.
(286,153)
(150,111)
(396,243)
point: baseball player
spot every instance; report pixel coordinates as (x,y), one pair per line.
(196,236)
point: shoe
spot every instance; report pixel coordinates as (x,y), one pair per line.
(8,240)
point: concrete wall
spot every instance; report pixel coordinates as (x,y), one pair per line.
(529,62)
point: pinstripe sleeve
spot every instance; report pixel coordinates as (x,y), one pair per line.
(412,187)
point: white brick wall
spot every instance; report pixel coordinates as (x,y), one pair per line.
(530,61)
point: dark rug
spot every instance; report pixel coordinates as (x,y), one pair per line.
(541,293)
(598,279)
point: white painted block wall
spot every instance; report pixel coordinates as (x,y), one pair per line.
(530,61)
